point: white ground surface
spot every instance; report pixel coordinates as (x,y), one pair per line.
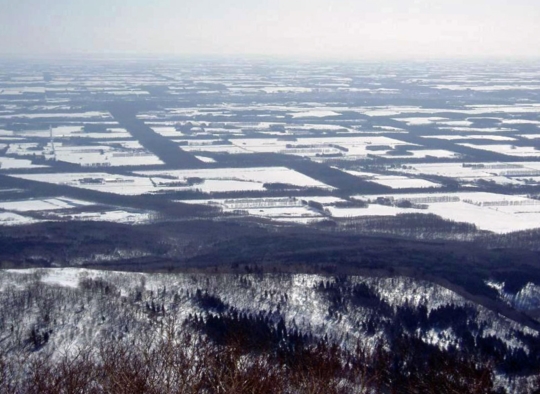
(45,204)
(310,147)
(86,115)
(471,137)
(262,207)
(507,149)
(501,173)
(223,179)
(476,129)
(401,182)
(116,216)
(205,159)
(314,114)
(421,154)
(9,163)
(520,121)
(127,153)
(107,154)
(491,218)
(118,184)
(394,181)
(215,180)
(371,210)
(167,131)
(13,219)
(420,121)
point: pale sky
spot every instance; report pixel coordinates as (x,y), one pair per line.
(356,29)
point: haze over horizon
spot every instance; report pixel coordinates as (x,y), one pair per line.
(316,28)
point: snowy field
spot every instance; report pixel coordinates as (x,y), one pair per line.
(166,131)
(474,110)
(76,131)
(70,115)
(286,89)
(314,114)
(45,204)
(509,150)
(212,180)
(402,182)
(418,154)
(518,173)
(463,129)
(489,88)
(394,181)
(114,216)
(371,210)
(108,154)
(231,179)
(98,181)
(13,219)
(487,211)
(24,149)
(9,163)
(277,209)
(420,121)
(231,149)
(325,113)
(310,147)
(205,159)
(471,137)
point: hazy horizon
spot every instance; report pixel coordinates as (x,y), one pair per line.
(316,29)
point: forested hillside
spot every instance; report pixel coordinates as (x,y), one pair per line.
(76,330)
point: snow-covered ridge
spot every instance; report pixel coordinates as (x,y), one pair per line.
(528,298)
(297,298)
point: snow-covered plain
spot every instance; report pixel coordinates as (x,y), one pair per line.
(80,115)
(230,179)
(9,163)
(471,137)
(13,219)
(45,204)
(214,180)
(509,150)
(487,211)
(106,156)
(394,181)
(518,173)
(105,215)
(278,209)
(314,114)
(98,181)
(311,147)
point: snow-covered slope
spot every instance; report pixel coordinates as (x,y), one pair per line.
(56,312)
(78,306)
